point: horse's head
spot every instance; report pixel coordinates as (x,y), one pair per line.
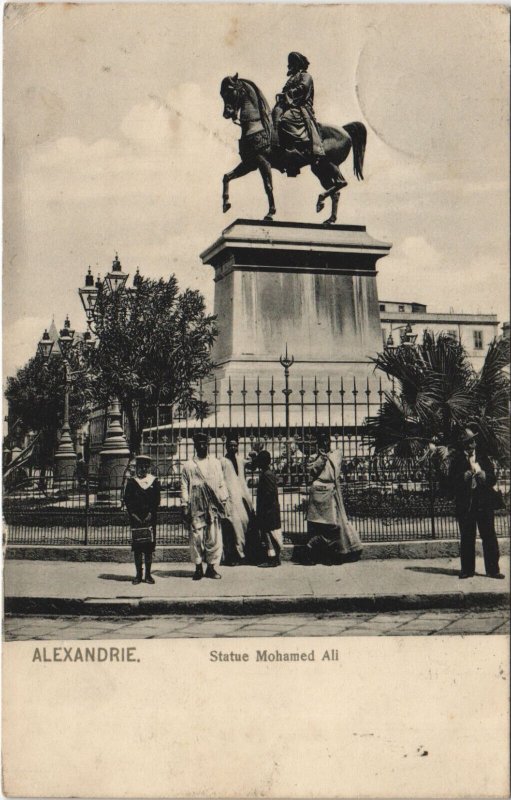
(230,92)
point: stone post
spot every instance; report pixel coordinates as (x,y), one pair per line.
(114,456)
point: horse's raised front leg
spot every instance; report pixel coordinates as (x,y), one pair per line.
(237,172)
(265,170)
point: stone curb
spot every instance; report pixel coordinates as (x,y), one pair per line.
(431,548)
(240,606)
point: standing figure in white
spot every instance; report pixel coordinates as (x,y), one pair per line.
(204,497)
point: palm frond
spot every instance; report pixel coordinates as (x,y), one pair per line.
(394,428)
(438,394)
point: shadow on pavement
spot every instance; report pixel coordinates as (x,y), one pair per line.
(158,573)
(173,573)
(435,570)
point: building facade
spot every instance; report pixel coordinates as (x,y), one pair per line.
(474,331)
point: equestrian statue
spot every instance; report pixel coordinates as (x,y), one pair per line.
(289,138)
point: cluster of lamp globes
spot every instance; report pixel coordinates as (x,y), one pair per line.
(114,280)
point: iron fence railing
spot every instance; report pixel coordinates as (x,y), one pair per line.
(385,503)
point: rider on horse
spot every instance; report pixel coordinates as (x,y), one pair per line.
(293,117)
(302,140)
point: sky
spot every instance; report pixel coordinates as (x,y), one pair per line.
(114,141)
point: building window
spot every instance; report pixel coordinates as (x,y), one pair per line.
(382,306)
(400,308)
(478,340)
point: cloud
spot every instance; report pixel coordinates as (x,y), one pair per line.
(423,97)
(152,190)
(142,193)
(147,125)
(416,271)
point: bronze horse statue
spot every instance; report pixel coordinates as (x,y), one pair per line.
(259,147)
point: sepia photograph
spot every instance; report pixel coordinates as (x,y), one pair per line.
(256,394)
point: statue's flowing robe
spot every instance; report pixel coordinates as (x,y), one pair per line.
(297,122)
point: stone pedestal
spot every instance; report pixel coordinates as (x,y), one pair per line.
(64,468)
(310,287)
(65,459)
(114,457)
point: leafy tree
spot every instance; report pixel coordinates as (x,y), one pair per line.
(36,401)
(153,346)
(436,394)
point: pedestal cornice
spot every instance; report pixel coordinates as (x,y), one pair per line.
(295,246)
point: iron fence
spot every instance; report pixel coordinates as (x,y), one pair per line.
(384,502)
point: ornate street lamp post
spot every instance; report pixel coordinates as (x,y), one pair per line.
(65,457)
(45,346)
(115,452)
(116,278)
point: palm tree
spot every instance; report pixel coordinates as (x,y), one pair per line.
(436,393)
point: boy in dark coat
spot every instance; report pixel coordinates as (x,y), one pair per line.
(142,498)
(268,510)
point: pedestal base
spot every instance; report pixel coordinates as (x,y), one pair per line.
(309,289)
(111,472)
(64,469)
(113,459)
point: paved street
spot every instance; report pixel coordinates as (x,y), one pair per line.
(402,623)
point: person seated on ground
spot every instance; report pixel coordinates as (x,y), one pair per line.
(142,498)
(332,537)
(268,510)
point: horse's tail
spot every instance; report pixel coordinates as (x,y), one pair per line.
(358,134)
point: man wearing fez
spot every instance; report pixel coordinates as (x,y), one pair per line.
(204,496)
(239,510)
(471,481)
(293,114)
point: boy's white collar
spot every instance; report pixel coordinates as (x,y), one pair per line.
(146,482)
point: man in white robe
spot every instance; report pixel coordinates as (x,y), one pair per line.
(204,497)
(331,533)
(240,507)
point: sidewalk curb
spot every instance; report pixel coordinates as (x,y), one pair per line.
(414,549)
(250,605)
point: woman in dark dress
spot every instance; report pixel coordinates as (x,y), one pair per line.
(142,498)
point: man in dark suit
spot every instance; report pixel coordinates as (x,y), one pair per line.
(471,479)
